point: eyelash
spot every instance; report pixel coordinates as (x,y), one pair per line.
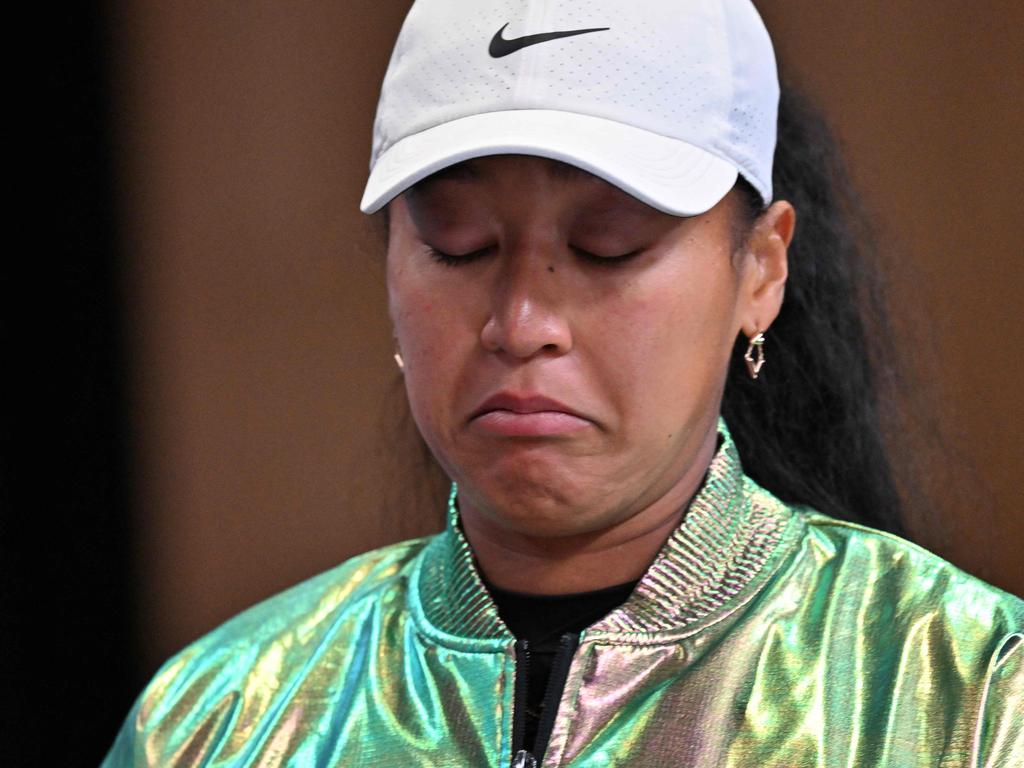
(453,260)
(604,261)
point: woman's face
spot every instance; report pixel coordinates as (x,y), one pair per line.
(565,345)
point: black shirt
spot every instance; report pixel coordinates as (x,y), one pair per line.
(542,621)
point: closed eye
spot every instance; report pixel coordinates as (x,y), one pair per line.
(605,261)
(456,259)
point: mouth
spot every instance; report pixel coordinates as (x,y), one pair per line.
(511,415)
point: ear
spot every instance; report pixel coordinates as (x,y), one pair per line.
(766,267)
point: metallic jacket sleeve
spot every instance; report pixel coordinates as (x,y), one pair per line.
(999,734)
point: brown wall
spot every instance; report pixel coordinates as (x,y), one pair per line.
(263,354)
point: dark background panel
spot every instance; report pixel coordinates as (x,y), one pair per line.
(70,660)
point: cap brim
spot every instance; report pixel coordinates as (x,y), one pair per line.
(667,174)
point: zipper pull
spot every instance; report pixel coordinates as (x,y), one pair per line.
(524,759)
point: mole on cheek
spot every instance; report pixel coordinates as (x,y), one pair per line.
(551,268)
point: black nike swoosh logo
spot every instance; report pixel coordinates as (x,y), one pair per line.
(501,47)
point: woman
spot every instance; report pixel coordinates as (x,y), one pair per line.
(593,279)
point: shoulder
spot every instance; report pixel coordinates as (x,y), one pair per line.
(909,579)
(312,604)
(922,639)
(267,648)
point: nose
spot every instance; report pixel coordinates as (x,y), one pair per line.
(528,309)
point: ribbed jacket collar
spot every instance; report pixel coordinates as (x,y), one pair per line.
(732,535)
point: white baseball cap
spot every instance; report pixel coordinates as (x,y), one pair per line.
(667,99)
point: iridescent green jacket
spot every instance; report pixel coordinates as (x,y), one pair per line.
(761,636)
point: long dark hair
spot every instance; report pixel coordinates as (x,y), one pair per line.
(822,424)
(813,427)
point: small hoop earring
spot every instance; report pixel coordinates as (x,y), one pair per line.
(399,362)
(755,366)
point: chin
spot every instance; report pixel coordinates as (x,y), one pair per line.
(542,507)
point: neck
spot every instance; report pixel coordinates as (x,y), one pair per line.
(589,561)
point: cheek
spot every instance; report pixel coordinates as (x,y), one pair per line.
(417,305)
(664,347)
(432,341)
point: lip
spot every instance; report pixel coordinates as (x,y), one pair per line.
(517,415)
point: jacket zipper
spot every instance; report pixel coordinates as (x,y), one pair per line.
(553,692)
(522,757)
